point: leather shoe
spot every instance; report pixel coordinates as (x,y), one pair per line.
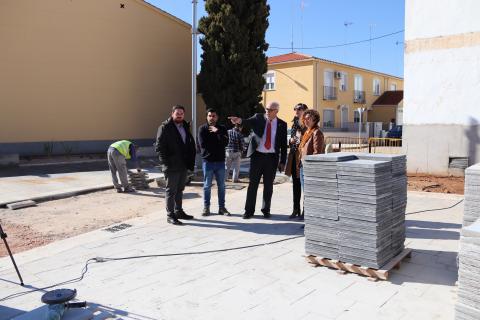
(266,213)
(296,212)
(182,215)
(247,215)
(174,221)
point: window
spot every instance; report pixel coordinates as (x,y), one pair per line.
(328,78)
(269,81)
(393,87)
(358,83)
(328,118)
(356,116)
(343,81)
(376,87)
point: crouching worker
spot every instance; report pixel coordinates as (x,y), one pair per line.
(117,154)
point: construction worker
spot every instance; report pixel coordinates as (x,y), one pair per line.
(117,154)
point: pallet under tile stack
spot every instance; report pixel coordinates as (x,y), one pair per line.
(369,228)
(468,302)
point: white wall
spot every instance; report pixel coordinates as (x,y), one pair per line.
(432,18)
(442,75)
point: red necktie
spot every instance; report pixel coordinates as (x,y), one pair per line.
(268,140)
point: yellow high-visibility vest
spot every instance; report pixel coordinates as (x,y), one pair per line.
(123,146)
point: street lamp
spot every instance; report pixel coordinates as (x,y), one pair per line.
(360,111)
(194,68)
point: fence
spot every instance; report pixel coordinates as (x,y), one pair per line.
(365,145)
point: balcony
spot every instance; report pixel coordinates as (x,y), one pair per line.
(329,93)
(358,96)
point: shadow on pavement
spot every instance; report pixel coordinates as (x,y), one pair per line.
(282,228)
(9,313)
(432,230)
(428,267)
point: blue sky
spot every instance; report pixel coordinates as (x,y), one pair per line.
(322,23)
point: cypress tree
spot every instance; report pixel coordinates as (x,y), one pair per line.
(233,60)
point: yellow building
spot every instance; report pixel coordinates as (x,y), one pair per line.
(79,74)
(336,90)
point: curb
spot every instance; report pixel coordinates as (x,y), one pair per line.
(64,195)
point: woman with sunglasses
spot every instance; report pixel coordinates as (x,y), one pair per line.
(296,133)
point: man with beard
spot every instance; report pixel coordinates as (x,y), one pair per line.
(212,139)
(176,149)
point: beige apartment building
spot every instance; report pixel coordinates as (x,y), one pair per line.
(79,74)
(336,90)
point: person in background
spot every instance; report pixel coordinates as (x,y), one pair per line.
(312,141)
(176,149)
(233,153)
(117,155)
(267,151)
(212,139)
(296,134)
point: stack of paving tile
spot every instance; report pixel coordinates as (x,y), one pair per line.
(472,195)
(399,195)
(358,214)
(468,303)
(365,193)
(321,204)
(139,180)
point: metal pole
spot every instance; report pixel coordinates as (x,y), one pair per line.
(3,236)
(194,68)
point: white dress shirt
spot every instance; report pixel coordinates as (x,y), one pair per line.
(261,147)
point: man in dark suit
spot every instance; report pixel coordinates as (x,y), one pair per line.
(176,149)
(267,151)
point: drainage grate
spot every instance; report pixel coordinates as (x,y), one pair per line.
(118,227)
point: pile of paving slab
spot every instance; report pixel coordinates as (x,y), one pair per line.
(468,302)
(355,207)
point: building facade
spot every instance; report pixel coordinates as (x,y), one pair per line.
(442,87)
(79,74)
(336,90)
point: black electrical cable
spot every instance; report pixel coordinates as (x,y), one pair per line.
(78,279)
(439,209)
(102,259)
(340,44)
(105,259)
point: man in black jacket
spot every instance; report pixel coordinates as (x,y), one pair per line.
(176,149)
(212,139)
(267,151)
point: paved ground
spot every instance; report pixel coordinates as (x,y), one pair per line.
(268,282)
(20,184)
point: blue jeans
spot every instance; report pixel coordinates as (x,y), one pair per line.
(209,170)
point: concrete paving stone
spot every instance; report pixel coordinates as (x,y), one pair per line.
(330,157)
(163,298)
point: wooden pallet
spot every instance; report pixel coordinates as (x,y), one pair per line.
(373,274)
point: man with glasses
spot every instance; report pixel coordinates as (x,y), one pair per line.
(267,151)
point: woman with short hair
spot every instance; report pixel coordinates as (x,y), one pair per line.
(312,140)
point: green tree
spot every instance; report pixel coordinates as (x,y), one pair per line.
(233,60)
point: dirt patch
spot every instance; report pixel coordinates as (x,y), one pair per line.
(55,220)
(428,183)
